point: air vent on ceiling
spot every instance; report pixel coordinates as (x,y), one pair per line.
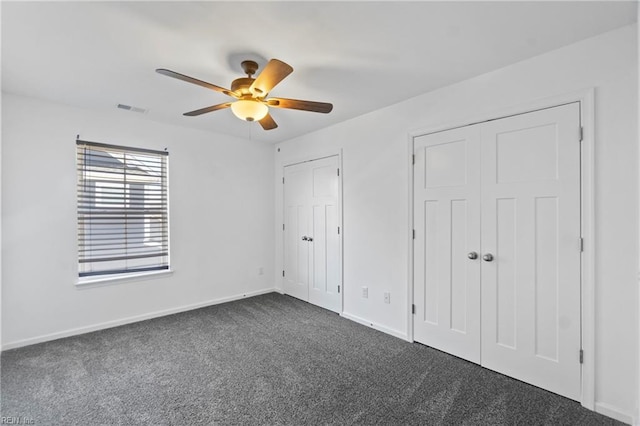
(132,108)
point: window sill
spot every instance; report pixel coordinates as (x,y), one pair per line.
(136,276)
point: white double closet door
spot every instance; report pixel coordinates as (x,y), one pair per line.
(312,248)
(497,247)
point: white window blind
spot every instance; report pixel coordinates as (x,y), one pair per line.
(122,209)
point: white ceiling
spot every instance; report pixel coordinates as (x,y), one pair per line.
(360,56)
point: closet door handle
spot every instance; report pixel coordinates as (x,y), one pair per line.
(487,257)
(310,239)
(304,238)
(472,255)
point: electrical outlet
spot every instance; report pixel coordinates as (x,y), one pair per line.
(387,297)
(365,292)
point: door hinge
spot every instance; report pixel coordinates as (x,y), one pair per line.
(413,309)
(283,273)
(581,356)
(581,244)
(283,226)
(338,172)
(581,133)
(413,234)
(338,289)
(338,230)
(413,159)
(283,180)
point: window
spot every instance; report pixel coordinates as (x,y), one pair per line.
(122,210)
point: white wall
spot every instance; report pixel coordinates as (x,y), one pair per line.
(638,118)
(221,212)
(0,203)
(376,191)
(0,212)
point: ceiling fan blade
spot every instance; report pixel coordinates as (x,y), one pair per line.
(322,107)
(208,109)
(188,79)
(268,123)
(273,73)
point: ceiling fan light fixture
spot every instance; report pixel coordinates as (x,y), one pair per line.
(251,94)
(249,110)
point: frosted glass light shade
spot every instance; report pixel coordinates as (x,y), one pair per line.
(249,110)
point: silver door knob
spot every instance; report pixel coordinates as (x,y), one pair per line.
(304,238)
(309,239)
(472,255)
(487,257)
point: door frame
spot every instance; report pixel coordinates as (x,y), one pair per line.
(586,100)
(280,215)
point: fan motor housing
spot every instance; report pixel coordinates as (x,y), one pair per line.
(241,85)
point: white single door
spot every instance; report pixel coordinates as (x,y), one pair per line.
(296,227)
(447,241)
(531,228)
(312,233)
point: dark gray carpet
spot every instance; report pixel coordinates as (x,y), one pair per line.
(264,360)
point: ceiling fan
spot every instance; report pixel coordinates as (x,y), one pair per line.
(251,102)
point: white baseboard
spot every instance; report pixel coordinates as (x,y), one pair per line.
(376,326)
(614,413)
(129,320)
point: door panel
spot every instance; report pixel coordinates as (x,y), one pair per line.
(505,218)
(325,245)
(447,228)
(546,270)
(319,281)
(531,224)
(296,224)
(312,187)
(527,155)
(431,242)
(459,259)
